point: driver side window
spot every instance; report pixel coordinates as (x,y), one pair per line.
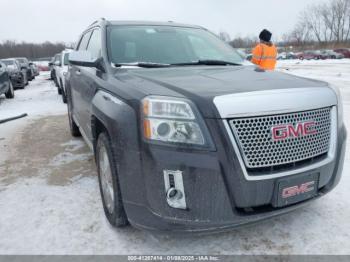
(94,46)
(84,41)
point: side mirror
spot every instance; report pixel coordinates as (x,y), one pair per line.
(50,64)
(23,68)
(81,58)
(84,58)
(30,63)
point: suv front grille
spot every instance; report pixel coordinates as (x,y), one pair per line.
(259,150)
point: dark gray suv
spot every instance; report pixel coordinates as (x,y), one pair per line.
(6,86)
(15,72)
(187,137)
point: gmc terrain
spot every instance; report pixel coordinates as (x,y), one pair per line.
(187,137)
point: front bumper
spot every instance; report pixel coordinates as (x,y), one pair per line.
(217,194)
(17,80)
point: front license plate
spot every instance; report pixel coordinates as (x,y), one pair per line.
(296,189)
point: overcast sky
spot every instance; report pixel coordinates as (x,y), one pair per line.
(62,20)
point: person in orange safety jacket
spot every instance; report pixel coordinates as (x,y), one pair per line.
(265,53)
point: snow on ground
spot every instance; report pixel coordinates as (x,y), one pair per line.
(39,98)
(42,213)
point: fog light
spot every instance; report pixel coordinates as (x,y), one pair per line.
(174,189)
(174,194)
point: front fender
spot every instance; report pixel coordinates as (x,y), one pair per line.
(120,121)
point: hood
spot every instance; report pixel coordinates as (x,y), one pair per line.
(201,84)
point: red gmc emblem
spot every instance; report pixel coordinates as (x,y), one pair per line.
(297,190)
(282,132)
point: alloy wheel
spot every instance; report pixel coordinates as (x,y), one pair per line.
(106,179)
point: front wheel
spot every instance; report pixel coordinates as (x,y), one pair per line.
(109,183)
(11,92)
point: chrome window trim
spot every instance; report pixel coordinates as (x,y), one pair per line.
(330,156)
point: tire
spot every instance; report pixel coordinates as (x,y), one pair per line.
(23,85)
(64,96)
(59,90)
(11,92)
(109,183)
(56,83)
(74,129)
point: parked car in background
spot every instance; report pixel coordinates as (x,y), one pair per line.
(310,55)
(34,68)
(291,55)
(330,54)
(52,73)
(25,64)
(61,70)
(6,86)
(286,56)
(53,64)
(43,68)
(344,51)
(42,65)
(282,56)
(17,76)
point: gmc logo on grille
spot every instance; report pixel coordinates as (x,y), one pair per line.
(282,132)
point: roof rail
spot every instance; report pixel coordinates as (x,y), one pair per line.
(101,19)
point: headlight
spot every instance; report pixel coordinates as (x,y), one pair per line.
(171,120)
(339,106)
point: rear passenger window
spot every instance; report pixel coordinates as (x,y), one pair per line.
(95,44)
(84,41)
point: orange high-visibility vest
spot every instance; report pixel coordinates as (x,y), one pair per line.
(265,56)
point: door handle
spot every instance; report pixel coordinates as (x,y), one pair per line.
(77,72)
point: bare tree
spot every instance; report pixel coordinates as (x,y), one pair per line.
(224,36)
(18,49)
(300,34)
(244,42)
(327,23)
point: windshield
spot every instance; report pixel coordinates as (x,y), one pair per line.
(166,45)
(8,62)
(22,60)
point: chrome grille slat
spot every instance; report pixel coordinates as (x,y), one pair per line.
(258,150)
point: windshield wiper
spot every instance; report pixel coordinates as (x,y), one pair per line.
(142,64)
(207,62)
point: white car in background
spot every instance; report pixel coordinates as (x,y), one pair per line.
(61,68)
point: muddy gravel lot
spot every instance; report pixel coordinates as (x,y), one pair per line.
(45,149)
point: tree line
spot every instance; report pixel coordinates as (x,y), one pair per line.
(321,25)
(30,50)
